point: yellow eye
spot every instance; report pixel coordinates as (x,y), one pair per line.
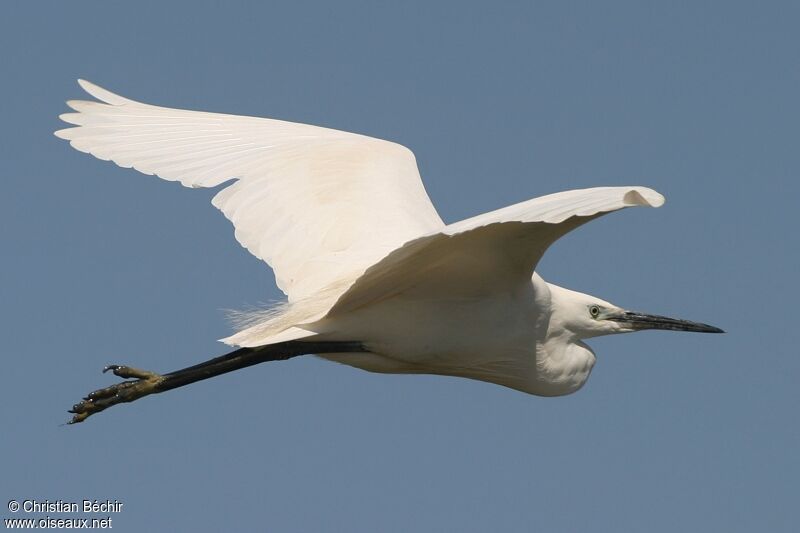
(594,311)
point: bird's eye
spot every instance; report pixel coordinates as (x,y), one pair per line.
(594,311)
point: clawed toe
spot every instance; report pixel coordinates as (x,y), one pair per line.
(128,372)
(145,383)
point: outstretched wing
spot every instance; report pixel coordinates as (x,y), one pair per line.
(318,205)
(486,253)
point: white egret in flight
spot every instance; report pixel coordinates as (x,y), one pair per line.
(373,276)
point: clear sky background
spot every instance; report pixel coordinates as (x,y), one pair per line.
(500,103)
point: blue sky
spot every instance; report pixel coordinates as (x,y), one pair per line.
(500,103)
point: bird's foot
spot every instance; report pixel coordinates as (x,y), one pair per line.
(144,384)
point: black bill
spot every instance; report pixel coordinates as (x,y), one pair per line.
(640,321)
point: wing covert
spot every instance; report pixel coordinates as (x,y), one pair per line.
(489,252)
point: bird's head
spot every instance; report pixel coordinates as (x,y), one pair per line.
(586,316)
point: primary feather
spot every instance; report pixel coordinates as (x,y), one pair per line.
(318,205)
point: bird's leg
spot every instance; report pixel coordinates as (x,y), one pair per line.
(143,382)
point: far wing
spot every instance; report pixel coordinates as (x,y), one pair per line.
(318,205)
(489,252)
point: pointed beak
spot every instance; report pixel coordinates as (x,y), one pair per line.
(640,321)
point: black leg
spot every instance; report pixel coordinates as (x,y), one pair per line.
(144,382)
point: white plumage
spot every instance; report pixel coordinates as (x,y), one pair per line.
(355,243)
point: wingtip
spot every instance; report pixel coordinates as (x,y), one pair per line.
(104,95)
(87,86)
(644,196)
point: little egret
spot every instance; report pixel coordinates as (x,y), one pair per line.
(374,278)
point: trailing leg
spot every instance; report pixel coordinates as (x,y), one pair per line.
(144,383)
